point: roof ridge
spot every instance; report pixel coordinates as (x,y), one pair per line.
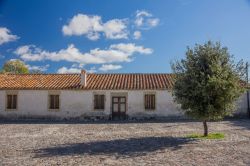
(79,73)
(130,73)
(40,74)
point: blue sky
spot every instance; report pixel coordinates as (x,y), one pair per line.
(118,36)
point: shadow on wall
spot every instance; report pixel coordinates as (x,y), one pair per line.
(119,148)
(243,123)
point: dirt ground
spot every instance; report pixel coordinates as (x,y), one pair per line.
(140,143)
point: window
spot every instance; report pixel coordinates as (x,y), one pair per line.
(99,102)
(149,102)
(11,101)
(53,102)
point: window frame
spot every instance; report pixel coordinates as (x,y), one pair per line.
(155,99)
(49,101)
(104,101)
(6,100)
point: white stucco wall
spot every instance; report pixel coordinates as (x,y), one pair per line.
(241,108)
(80,103)
(2,101)
(29,103)
(165,107)
(76,103)
(34,103)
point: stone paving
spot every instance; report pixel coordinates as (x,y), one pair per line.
(147,143)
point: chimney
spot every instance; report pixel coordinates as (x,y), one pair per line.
(83,78)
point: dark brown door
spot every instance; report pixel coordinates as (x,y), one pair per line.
(118,108)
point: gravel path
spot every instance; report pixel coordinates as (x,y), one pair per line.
(123,144)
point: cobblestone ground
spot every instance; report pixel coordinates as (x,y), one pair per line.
(123,144)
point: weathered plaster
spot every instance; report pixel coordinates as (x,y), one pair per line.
(79,103)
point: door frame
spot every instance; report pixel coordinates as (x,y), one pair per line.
(119,94)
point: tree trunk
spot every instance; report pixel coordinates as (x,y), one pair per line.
(205,128)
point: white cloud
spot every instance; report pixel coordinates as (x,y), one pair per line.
(107,67)
(153,22)
(23,49)
(6,36)
(131,48)
(140,17)
(63,70)
(13,59)
(40,68)
(115,29)
(92,70)
(115,53)
(140,13)
(82,24)
(145,20)
(79,65)
(75,65)
(92,26)
(30,53)
(137,35)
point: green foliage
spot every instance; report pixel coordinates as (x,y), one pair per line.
(207,82)
(15,66)
(209,136)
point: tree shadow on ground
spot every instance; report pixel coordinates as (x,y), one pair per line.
(119,148)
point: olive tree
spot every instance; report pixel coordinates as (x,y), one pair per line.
(16,67)
(207,82)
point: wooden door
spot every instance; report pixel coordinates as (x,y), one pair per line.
(119,108)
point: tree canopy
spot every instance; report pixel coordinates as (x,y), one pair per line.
(207,82)
(15,66)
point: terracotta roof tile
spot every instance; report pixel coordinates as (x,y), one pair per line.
(94,81)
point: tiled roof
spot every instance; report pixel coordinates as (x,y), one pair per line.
(129,81)
(39,81)
(94,81)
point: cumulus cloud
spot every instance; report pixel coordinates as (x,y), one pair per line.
(92,27)
(137,35)
(141,13)
(6,36)
(153,22)
(145,20)
(92,70)
(115,53)
(30,53)
(63,70)
(130,48)
(39,68)
(79,65)
(107,67)
(115,29)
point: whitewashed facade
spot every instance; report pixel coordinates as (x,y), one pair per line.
(104,96)
(80,104)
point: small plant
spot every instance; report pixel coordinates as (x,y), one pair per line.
(209,136)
